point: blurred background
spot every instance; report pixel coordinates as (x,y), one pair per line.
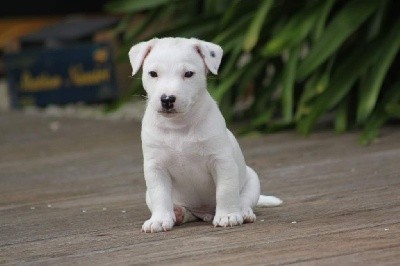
(287,64)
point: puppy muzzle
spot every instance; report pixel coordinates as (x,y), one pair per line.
(167,102)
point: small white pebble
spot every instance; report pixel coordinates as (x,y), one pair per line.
(104,209)
(262,220)
(123,211)
(352,170)
(32,208)
(54,126)
(83,210)
(386,229)
(49,205)
(294,222)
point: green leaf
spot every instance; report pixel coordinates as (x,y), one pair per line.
(253,32)
(123,24)
(370,92)
(252,69)
(264,93)
(226,85)
(232,44)
(341,82)
(376,22)
(189,28)
(230,62)
(341,27)
(393,109)
(321,19)
(235,29)
(261,120)
(229,15)
(274,126)
(314,86)
(133,5)
(288,80)
(341,120)
(130,35)
(292,33)
(380,115)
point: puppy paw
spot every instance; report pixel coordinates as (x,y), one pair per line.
(230,219)
(158,224)
(248,215)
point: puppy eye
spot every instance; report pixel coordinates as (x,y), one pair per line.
(189,74)
(153,74)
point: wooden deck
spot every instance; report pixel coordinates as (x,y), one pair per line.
(74,194)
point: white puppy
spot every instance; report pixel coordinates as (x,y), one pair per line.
(193,165)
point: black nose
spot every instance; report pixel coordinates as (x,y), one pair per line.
(167,102)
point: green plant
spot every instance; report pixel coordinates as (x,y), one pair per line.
(292,62)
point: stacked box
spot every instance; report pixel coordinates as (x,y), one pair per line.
(77,73)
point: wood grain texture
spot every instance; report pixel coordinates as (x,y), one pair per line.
(76,196)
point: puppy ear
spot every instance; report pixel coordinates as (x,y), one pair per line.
(211,54)
(138,53)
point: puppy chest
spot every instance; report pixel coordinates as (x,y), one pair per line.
(192,183)
(190,173)
(184,167)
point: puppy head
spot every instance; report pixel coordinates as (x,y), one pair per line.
(174,71)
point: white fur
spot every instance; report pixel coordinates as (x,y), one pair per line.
(190,158)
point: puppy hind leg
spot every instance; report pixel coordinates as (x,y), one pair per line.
(249,195)
(182,215)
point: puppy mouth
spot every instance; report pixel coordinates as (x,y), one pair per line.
(168,111)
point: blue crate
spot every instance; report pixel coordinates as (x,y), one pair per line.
(77,73)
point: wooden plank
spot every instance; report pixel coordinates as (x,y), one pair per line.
(386,256)
(76,195)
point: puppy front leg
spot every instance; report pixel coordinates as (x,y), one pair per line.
(226,178)
(159,189)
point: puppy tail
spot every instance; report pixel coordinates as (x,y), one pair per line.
(268,201)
